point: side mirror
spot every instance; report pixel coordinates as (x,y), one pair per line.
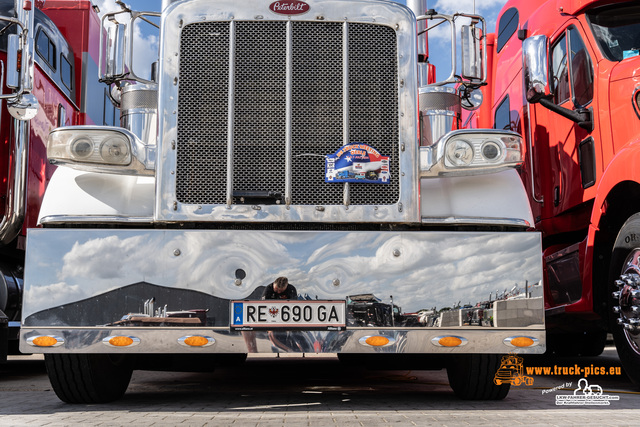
(13,56)
(535,68)
(115,51)
(472,58)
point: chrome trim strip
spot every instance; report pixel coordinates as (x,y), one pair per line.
(94,219)
(534,195)
(15,205)
(346,195)
(476,221)
(345,83)
(230,112)
(288,118)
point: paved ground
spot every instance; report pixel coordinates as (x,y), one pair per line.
(316,391)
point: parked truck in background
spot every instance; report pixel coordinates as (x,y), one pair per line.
(159,236)
(565,75)
(48,79)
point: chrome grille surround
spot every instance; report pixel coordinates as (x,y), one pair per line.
(264,120)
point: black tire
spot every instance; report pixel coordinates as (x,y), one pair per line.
(627,242)
(89,378)
(471,377)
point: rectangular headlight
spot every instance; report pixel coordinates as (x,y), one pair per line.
(472,152)
(105,149)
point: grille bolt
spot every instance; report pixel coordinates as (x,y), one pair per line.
(397,253)
(237,282)
(320,208)
(336,282)
(176,252)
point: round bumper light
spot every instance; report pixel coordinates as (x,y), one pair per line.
(196,341)
(449,341)
(45,341)
(120,341)
(520,342)
(377,341)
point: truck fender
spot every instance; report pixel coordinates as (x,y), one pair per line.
(623,167)
(73,193)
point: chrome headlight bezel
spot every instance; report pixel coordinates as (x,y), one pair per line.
(471,152)
(100,149)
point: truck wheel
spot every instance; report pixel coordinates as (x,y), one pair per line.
(624,296)
(471,376)
(89,378)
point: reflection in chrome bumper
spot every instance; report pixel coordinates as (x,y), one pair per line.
(160,286)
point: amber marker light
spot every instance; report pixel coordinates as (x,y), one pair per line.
(449,341)
(377,341)
(120,341)
(520,342)
(196,341)
(45,341)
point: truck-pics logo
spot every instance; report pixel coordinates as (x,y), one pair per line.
(511,371)
(291,7)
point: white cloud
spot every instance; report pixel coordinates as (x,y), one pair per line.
(38,297)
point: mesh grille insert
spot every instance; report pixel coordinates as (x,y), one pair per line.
(259,109)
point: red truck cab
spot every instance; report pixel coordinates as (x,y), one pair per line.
(566,76)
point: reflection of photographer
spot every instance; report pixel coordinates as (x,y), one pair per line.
(280,289)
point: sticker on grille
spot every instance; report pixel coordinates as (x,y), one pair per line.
(259,109)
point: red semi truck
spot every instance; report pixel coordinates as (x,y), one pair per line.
(565,74)
(49,57)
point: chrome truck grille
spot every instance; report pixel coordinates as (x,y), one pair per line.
(280,96)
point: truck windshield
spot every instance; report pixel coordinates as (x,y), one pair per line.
(617,30)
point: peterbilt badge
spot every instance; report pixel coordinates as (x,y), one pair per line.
(289,7)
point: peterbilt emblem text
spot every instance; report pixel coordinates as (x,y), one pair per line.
(290,7)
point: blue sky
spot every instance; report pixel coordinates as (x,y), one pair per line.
(438,42)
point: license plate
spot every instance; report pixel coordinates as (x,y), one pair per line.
(273,314)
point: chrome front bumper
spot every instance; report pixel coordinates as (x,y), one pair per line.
(481,287)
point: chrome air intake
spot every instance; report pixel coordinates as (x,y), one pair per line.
(139,111)
(439,112)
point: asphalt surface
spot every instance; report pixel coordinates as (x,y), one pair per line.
(320,391)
